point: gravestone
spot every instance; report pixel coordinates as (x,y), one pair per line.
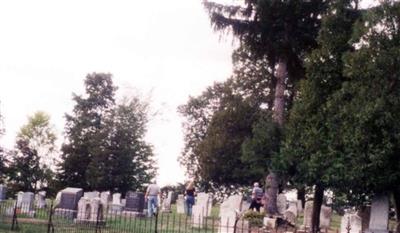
(281,203)
(90,211)
(3,191)
(229,211)
(308,209)
(180,204)
(41,199)
(91,194)
(351,223)
(116,205)
(19,199)
(105,198)
(299,207)
(68,204)
(379,218)
(134,202)
(246,205)
(365,214)
(269,223)
(290,214)
(201,209)
(25,201)
(166,204)
(325,217)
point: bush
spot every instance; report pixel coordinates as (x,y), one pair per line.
(255,218)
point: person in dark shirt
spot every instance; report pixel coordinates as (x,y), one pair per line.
(190,193)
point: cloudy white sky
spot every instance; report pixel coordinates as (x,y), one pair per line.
(162,49)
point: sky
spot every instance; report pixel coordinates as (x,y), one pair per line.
(161,50)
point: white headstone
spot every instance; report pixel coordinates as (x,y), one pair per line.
(200,209)
(351,223)
(299,207)
(379,218)
(166,204)
(228,213)
(325,217)
(180,204)
(308,209)
(116,205)
(105,199)
(91,194)
(89,210)
(281,203)
(25,201)
(269,223)
(291,213)
(41,199)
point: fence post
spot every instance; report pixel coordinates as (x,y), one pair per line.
(99,208)
(50,221)
(155,227)
(14,225)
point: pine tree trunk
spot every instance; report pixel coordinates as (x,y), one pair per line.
(318,198)
(278,117)
(301,195)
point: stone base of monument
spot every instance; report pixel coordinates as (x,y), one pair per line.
(115,209)
(65,213)
(127,213)
(376,231)
(90,222)
(269,223)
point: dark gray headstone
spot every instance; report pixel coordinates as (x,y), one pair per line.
(69,198)
(3,191)
(134,201)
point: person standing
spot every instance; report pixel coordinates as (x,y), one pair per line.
(190,193)
(152,195)
(256,197)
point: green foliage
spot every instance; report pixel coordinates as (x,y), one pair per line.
(264,144)
(24,171)
(255,218)
(219,120)
(343,132)
(275,29)
(32,165)
(105,147)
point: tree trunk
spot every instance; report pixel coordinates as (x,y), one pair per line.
(318,198)
(279,97)
(301,195)
(278,117)
(396,197)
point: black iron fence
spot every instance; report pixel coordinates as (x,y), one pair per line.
(32,219)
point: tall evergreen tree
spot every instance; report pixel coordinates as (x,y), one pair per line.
(105,147)
(130,162)
(310,151)
(283,31)
(85,132)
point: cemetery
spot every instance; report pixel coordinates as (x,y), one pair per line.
(77,211)
(299,135)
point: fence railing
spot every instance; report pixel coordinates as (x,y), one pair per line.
(30,218)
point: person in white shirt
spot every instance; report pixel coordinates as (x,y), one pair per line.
(152,195)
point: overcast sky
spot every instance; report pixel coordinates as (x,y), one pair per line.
(162,49)
(165,50)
